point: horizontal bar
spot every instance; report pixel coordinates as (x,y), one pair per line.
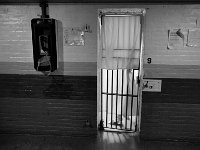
(122,58)
(122,15)
(118,15)
(118,129)
(119,94)
(126,49)
(123,49)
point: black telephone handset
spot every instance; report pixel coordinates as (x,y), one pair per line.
(44,60)
(44,44)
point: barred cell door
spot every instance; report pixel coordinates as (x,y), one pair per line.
(120,45)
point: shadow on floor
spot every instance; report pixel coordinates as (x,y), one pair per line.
(103,141)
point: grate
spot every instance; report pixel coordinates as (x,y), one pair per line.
(119,99)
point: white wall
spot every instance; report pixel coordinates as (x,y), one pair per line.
(16,44)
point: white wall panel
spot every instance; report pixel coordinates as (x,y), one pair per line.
(16,36)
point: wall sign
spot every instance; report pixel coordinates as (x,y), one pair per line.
(177,38)
(194,37)
(74,36)
(151,85)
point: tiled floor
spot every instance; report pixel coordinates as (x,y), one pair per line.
(103,141)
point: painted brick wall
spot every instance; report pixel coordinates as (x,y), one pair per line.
(16,52)
(34,103)
(16,45)
(180,62)
(39,104)
(174,113)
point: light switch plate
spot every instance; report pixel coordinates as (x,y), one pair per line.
(152,85)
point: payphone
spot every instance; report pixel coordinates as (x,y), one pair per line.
(45,45)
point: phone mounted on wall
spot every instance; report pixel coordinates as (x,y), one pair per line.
(44,44)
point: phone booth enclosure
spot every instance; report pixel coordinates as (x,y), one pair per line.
(44,44)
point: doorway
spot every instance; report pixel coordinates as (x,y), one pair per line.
(120,69)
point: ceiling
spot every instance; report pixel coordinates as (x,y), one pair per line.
(103,1)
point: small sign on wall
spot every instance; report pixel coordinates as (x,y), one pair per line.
(177,38)
(152,85)
(74,36)
(180,38)
(194,37)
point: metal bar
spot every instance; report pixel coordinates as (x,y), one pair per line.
(136,115)
(116,97)
(139,91)
(101,95)
(107,102)
(132,100)
(122,15)
(111,98)
(124,49)
(137,109)
(122,94)
(44,6)
(126,100)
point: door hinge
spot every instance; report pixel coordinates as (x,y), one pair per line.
(138,80)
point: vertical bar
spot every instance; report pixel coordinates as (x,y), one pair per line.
(101,95)
(126,99)
(136,115)
(111,99)
(107,101)
(116,97)
(132,99)
(122,95)
(139,91)
(137,109)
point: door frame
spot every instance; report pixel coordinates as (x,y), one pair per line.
(120,11)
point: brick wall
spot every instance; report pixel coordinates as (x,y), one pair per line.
(174,113)
(37,104)
(16,39)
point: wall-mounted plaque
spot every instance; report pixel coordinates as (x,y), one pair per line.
(74,36)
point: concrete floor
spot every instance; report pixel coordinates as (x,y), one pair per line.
(103,141)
